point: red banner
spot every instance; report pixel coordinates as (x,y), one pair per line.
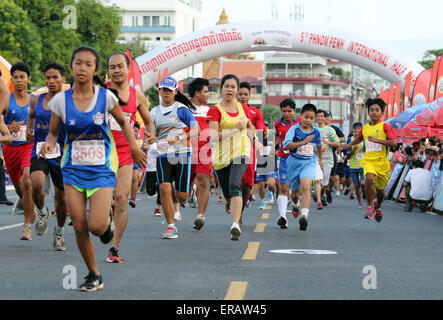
(406,100)
(433,79)
(439,85)
(390,101)
(421,88)
(383,95)
(134,76)
(397,100)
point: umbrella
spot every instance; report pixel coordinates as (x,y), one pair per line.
(401,120)
(436,132)
(428,115)
(414,130)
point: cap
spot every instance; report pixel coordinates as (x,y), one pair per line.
(169,83)
(329,113)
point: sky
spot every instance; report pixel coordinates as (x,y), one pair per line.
(411,27)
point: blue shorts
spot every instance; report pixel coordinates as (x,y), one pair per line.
(299,169)
(283,171)
(357,176)
(136,167)
(261,178)
(347,171)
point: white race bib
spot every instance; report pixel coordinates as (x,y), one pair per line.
(55,153)
(372,146)
(114,124)
(88,153)
(19,135)
(306,150)
(164,147)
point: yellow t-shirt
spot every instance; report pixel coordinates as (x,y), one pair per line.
(374,151)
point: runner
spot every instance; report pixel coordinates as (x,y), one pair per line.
(89,162)
(17,154)
(377,137)
(355,155)
(331,140)
(256,118)
(37,128)
(151,175)
(201,169)
(301,140)
(175,126)
(232,134)
(281,127)
(118,69)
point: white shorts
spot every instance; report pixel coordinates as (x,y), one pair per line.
(323,175)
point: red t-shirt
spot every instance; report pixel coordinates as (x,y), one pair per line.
(202,117)
(214,113)
(256,116)
(281,129)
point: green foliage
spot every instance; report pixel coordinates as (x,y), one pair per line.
(271,114)
(429,57)
(153,99)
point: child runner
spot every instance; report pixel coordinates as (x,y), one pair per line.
(301,140)
(355,155)
(89,162)
(377,137)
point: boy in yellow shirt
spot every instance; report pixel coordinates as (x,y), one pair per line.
(377,137)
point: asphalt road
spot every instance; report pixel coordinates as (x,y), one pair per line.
(399,258)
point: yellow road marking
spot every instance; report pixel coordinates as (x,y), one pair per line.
(260,227)
(236,290)
(265,216)
(251,251)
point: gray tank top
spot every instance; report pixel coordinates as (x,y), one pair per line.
(168,126)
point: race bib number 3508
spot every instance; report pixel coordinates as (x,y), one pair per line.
(88,153)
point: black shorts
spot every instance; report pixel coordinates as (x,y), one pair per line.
(230,178)
(340,170)
(40,164)
(175,169)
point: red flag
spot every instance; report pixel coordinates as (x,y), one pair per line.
(439,85)
(383,95)
(397,100)
(433,79)
(134,76)
(407,92)
(390,101)
(421,88)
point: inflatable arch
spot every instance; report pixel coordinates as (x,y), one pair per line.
(322,40)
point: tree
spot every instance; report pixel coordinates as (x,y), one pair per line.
(429,57)
(271,114)
(19,38)
(153,99)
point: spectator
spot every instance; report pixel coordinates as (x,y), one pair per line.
(418,187)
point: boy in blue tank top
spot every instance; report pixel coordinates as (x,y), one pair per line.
(303,140)
(37,130)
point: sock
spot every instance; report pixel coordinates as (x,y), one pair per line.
(172,225)
(304,212)
(59,230)
(235,225)
(282,202)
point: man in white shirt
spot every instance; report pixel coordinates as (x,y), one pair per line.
(418,187)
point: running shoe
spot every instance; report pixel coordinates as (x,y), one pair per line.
(262,205)
(182,203)
(177,216)
(228,208)
(319,206)
(296,210)
(328,196)
(199,222)
(113,256)
(192,201)
(360,205)
(303,221)
(378,215)
(248,204)
(157,212)
(370,212)
(109,233)
(171,233)
(283,222)
(324,201)
(235,233)
(93,283)
(211,190)
(132,202)
(270,197)
(41,225)
(6,202)
(253,197)
(352,196)
(59,241)
(70,223)
(337,194)
(220,199)
(26,233)
(346,190)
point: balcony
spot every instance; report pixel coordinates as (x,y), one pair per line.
(159,29)
(282,73)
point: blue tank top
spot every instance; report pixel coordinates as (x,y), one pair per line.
(90,158)
(18,114)
(41,130)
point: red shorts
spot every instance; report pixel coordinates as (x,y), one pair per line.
(17,158)
(249,175)
(201,168)
(124,155)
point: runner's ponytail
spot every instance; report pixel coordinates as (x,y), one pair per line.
(180,97)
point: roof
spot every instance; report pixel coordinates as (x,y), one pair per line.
(242,68)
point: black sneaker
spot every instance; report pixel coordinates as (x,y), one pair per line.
(132,203)
(283,223)
(324,201)
(93,283)
(303,223)
(109,233)
(328,196)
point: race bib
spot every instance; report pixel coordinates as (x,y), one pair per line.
(306,150)
(164,147)
(372,146)
(19,135)
(114,124)
(88,153)
(55,153)
(360,155)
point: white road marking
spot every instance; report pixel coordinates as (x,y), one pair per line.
(11,226)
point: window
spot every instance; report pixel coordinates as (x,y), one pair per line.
(146,21)
(158,38)
(168,21)
(135,21)
(325,90)
(336,109)
(155,21)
